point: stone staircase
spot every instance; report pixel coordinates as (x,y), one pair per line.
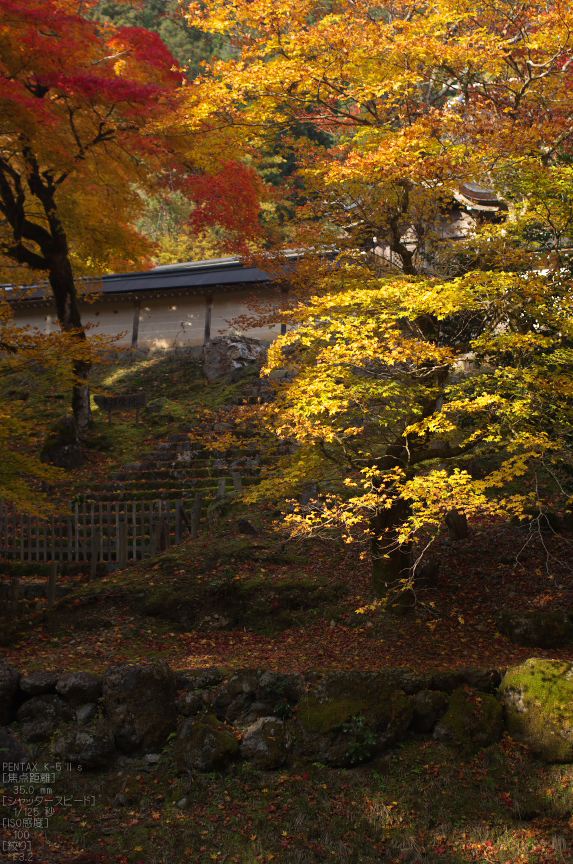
(184,465)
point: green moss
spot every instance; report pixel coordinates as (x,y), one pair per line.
(324,717)
(538,697)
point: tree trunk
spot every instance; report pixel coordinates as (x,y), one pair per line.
(65,295)
(81,397)
(391,561)
(457,525)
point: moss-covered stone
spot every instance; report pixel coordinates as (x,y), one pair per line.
(204,745)
(266,743)
(140,705)
(322,717)
(473,720)
(541,629)
(427,705)
(538,700)
(350,717)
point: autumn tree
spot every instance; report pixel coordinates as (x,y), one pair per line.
(33,367)
(85,132)
(432,374)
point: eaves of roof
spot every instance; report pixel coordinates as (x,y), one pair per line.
(201,278)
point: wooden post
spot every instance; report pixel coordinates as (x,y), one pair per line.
(70,540)
(21,538)
(117,531)
(221,487)
(29,537)
(178,508)
(77,531)
(134,521)
(95,553)
(52,583)
(15,593)
(208,310)
(135,330)
(168,524)
(160,531)
(85,532)
(237,482)
(122,543)
(108,526)
(152,528)
(137,416)
(92,521)
(196,514)
(146,519)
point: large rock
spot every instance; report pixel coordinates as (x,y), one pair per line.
(9,681)
(236,696)
(487,680)
(80,687)
(41,715)
(11,749)
(536,629)
(538,700)
(428,706)
(200,679)
(37,683)
(191,703)
(232,355)
(473,720)
(266,743)
(250,694)
(140,705)
(409,680)
(279,692)
(447,682)
(62,446)
(204,745)
(350,717)
(90,747)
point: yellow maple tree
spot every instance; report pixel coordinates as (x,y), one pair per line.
(433,365)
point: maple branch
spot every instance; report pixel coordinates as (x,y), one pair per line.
(446,452)
(12,206)
(23,255)
(111,57)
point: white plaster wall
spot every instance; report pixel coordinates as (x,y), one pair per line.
(171,322)
(109,319)
(40,319)
(231,304)
(106,319)
(164,322)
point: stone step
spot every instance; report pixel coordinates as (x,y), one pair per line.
(142,478)
(163,485)
(156,494)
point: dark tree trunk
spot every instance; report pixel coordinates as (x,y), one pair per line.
(391,561)
(457,525)
(48,235)
(64,290)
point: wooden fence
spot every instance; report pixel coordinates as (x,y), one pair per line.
(112,532)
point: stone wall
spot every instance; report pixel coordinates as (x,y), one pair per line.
(201,719)
(268,718)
